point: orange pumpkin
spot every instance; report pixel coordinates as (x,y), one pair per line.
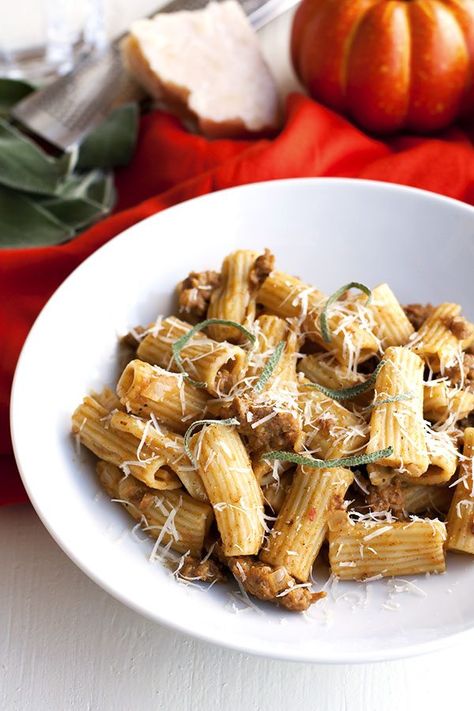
(389,64)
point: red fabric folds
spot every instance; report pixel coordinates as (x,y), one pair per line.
(172,165)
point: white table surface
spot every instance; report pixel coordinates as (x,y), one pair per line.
(65,645)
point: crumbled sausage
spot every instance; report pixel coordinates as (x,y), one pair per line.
(194,293)
(460,327)
(268,583)
(418,313)
(387,498)
(282,431)
(132,338)
(462,372)
(263,266)
(207,571)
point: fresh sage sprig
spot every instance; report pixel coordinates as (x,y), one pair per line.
(47,199)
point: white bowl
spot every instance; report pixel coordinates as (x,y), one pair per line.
(328,231)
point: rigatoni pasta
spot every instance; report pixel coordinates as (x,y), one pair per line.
(443,336)
(174,517)
(286,420)
(300,529)
(147,390)
(391,325)
(362,550)
(288,297)
(217,364)
(397,413)
(169,445)
(461,513)
(225,469)
(234,299)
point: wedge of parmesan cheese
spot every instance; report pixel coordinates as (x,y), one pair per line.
(208,62)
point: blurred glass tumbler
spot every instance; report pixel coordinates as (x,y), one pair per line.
(41,39)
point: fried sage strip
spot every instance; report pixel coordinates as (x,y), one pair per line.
(348,393)
(387,400)
(270,366)
(328,463)
(323,319)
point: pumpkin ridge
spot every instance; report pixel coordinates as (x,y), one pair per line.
(348,46)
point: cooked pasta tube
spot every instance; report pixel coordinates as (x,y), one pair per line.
(275,492)
(145,389)
(397,421)
(91,424)
(417,499)
(363,550)
(329,425)
(125,489)
(301,526)
(218,365)
(232,488)
(392,326)
(443,459)
(288,296)
(443,456)
(233,300)
(108,399)
(270,332)
(443,336)
(324,369)
(173,517)
(460,521)
(440,400)
(168,445)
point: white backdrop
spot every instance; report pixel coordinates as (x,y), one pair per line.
(68,646)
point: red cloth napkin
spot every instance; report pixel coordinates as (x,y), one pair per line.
(172,165)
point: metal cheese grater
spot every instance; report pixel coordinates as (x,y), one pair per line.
(65,110)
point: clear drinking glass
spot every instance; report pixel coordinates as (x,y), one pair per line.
(40,39)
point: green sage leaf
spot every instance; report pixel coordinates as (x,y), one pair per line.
(25,223)
(24,166)
(11,92)
(83,200)
(112,143)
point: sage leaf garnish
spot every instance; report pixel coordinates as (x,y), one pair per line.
(323,319)
(387,400)
(328,463)
(352,392)
(270,366)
